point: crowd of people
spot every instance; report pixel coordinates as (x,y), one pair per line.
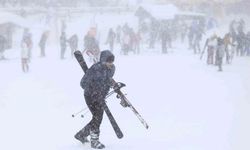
(234,42)
(150,34)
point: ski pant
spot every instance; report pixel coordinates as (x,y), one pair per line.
(164,46)
(196,46)
(63,49)
(227,55)
(210,55)
(239,50)
(42,51)
(97,111)
(219,60)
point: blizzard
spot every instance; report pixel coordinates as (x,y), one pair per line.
(187,104)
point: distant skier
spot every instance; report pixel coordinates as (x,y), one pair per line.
(2,47)
(197,39)
(220,53)
(73,43)
(154,28)
(25,44)
(211,45)
(240,43)
(96,84)
(183,31)
(111,39)
(228,42)
(190,37)
(63,44)
(125,41)
(28,36)
(137,42)
(42,43)
(248,44)
(118,34)
(164,34)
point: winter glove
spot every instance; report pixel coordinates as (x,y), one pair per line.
(118,85)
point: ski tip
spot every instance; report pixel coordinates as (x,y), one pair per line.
(77,52)
(120,136)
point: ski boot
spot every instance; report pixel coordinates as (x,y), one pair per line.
(95,143)
(79,136)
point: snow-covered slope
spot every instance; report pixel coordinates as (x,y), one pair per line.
(187,104)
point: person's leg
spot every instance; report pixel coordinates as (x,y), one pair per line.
(63,49)
(220,63)
(93,127)
(212,56)
(42,51)
(97,112)
(27,65)
(23,67)
(208,58)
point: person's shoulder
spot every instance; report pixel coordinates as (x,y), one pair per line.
(95,66)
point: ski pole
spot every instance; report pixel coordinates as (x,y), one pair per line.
(82,115)
(77,113)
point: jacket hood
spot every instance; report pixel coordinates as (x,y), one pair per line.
(106,56)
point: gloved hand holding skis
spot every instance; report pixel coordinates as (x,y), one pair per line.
(117,89)
(117,86)
(125,102)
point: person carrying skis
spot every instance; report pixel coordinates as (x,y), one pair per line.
(96,84)
(211,45)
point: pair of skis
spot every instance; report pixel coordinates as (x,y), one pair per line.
(124,101)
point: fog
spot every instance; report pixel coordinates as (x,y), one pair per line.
(185,65)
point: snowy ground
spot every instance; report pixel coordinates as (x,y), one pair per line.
(187,104)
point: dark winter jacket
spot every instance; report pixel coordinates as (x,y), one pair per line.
(98,79)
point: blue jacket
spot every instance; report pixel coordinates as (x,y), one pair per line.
(97,80)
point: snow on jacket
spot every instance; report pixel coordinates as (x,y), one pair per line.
(97,80)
